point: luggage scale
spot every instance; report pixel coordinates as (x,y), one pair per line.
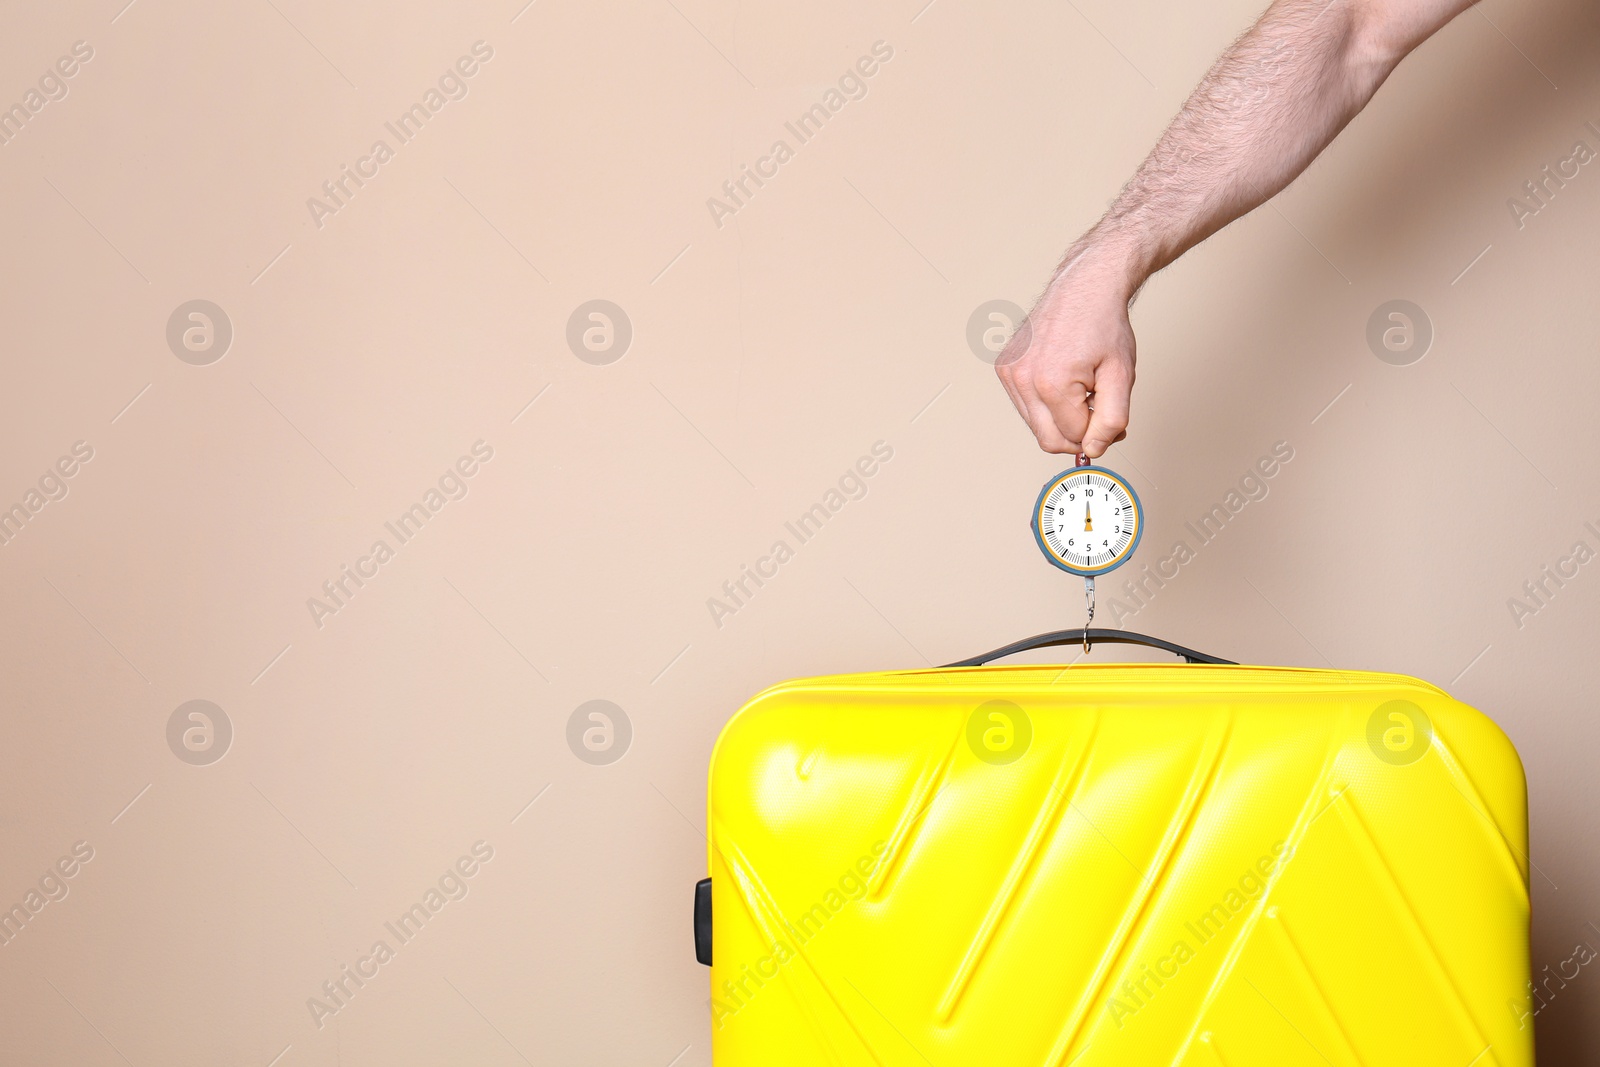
(1099,540)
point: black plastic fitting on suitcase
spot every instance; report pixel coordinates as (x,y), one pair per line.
(702,921)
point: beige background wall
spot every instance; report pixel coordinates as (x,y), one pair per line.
(371,752)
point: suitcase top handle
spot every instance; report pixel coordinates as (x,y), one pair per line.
(1073,637)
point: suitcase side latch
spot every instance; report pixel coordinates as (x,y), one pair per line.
(702,921)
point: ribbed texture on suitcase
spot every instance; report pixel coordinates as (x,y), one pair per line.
(1190,865)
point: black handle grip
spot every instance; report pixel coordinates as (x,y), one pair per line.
(702,921)
(1074,637)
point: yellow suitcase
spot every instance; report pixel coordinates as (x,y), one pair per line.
(1190,864)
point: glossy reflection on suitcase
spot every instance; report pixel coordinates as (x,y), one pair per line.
(1117,864)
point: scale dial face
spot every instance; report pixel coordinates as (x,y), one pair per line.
(1088,521)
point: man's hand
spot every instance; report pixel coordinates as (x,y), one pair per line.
(1069,368)
(1261,115)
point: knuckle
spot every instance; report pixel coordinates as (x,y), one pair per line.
(1115,372)
(1046,435)
(1053,442)
(1053,391)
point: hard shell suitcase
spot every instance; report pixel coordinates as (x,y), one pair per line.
(1173,864)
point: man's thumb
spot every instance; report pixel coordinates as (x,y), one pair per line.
(1108,422)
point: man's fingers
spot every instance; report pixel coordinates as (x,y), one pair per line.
(1068,369)
(1108,423)
(1068,401)
(1038,416)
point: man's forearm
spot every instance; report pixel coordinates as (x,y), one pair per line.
(1269,105)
